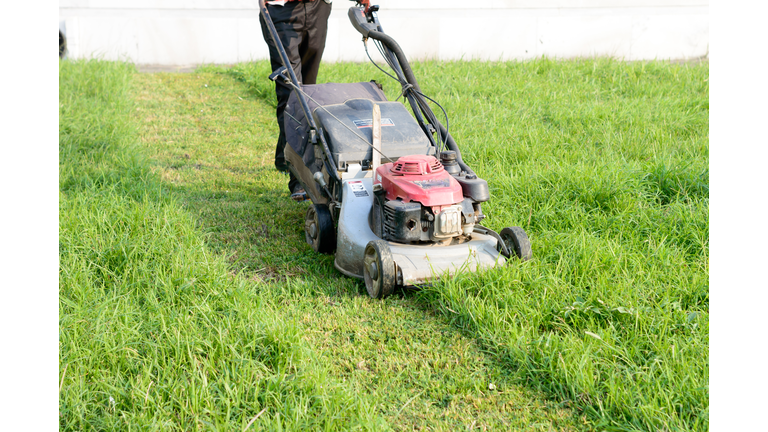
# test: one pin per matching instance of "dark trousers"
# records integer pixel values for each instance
(301, 27)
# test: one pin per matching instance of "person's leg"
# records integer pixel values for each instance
(314, 15)
(313, 45)
(288, 21)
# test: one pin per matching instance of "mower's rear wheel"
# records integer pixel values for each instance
(516, 241)
(319, 230)
(378, 269)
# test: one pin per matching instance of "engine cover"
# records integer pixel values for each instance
(402, 221)
(419, 178)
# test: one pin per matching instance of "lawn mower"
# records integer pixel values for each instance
(392, 198)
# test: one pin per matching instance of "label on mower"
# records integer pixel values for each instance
(430, 184)
(366, 123)
(357, 188)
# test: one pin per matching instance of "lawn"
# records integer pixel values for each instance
(189, 300)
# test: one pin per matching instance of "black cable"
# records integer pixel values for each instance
(441, 108)
(424, 107)
(383, 53)
(379, 67)
(422, 104)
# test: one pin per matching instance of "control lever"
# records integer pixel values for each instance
(281, 74)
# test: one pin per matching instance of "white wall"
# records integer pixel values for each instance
(190, 32)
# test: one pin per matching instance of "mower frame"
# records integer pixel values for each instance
(339, 220)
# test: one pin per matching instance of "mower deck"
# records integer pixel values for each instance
(415, 264)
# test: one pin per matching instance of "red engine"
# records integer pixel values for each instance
(418, 200)
(419, 178)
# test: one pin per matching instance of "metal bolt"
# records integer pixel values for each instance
(373, 270)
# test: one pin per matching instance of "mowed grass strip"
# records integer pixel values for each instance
(605, 164)
(211, 139)
(155, 331)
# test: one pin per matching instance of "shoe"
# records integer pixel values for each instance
(299, 195)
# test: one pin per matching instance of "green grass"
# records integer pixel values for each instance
(605, 164)
(188, 296)
(212, 141)
(155, 331)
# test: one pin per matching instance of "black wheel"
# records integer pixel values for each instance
(516, 240)
(378, 269)
(318, 229)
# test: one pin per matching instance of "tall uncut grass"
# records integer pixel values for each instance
(605, 165)
(155, 332)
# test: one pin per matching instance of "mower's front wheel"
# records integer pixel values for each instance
(516, 241)
(319, 230)
(378, 269)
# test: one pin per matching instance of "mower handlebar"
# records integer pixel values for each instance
(359, 18)
(364, 3)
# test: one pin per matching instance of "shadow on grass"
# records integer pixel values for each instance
(264, 230)
(248, 217)
(261, 232)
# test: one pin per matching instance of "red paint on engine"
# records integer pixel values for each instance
(419, 178)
